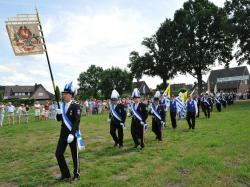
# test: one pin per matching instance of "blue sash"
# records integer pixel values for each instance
(137, 115)
(156, 113)
(69, 125)
(115, 114)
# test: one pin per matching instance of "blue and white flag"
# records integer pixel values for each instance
(180, 108)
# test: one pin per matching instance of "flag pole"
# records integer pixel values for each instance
(47, 56)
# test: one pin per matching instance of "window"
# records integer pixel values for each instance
(16, 94)
(28, 93)
(23, 94)
(40, 94)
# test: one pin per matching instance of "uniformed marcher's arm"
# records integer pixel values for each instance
(59, 117)
(123, 114)
(76, 118)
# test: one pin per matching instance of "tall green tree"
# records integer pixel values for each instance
(238, 12)
(116, 78)
(89, 81)
(201, 38)
(158, 60)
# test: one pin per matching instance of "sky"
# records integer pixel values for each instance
(80, 33)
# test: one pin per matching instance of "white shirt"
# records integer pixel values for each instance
(10, 109)
(67, 105)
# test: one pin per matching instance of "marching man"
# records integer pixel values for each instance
(117, 117)
(69, 115)
(192, 111)
(139, 117)
(158, 116)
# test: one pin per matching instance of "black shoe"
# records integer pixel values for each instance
(142, 147)
(135, 146)
(76, 178)
(115, 145)
(120, 146)
(62, 178)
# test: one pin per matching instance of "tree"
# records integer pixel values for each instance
(135, 65)
(116, 78)
(1, 97)
(57, 94)
(89, 81)
(158, 60)
(201, 38)
(238, 12)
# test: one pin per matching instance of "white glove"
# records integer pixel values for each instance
(142, 123)
(128, 114)
(109, 120)
(70, 138)
(163, 124)
(58, 111)
(123, 125)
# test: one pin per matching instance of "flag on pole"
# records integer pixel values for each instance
(166, 97)
(180, 107)
(25, 34)
(184, 97)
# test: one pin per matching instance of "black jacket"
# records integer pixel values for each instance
(161, 111)
(142, 110)
(74, 115)
(121, 112)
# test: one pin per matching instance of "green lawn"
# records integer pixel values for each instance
(217, 153)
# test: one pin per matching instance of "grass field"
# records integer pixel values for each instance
(217, 153)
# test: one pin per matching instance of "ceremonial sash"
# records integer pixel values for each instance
(156, 113)
(205, 101)
(137, 115)
(217, 100)
(69, 125)
(115, 114)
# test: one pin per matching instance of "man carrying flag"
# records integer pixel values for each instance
(158, 116)
(180, 106)
(117, 117)
(69, 115)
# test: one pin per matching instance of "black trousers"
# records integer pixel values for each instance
(61, 147)
(117, 139)
(218, 106)
(207, 111)
(173, 119)
(156, 128)
(137, 132)
(191, 119)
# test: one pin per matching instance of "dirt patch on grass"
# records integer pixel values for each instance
(8, 185)
(174, 184)
(184, 172)
(120, 177)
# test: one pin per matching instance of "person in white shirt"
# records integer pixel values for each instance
(37, 107)
(19, 113)
(1, 114)
(10, 110)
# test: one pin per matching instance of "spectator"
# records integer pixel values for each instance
(26, 113)
(43, 114)
(37, 107)
(1, 114)
(10, 110)
(19, 113)
(46, 108)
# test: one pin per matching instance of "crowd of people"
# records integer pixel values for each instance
(21, 114)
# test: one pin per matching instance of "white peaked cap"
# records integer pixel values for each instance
(115, 94)
(157, 94)
(136, 93)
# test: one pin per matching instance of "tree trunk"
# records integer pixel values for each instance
(199, 78)
(164, 82)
